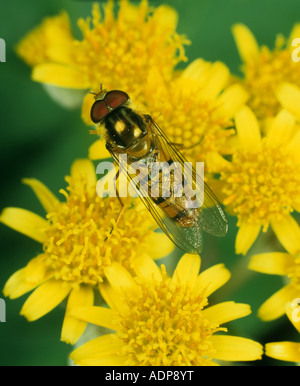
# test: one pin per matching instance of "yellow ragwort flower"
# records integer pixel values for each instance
(264, 69)
(117, 50)
(164, 321)
(287, 351)
(260, 184)
(283, 264)
(196, 108)
(80, 237)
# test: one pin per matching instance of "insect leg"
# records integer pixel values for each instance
(117, 191)
(121, 210)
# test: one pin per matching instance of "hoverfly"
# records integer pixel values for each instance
(140, 138)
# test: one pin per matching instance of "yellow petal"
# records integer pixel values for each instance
(25, 222)
(19, 283)
(274, 263)
(246, 236)
(46, 297)
(287, 231)
(216, 162)
(119, 277)
(166, 17)
(281, 129)
(248, 129)
(51, 41)
(59, 38)
(285, 351)
(294, 145)
(246, 43)
(73, 328)
(187, 270)
(45, 196)
(128, 12)
(87, 104)
(233, 348)
(147, 270)
(288, 95)
(159, 245)
(60, 75)
(225, 312)
(212, 278)
(103, 346)
(230, 145)
(112, 297)
(98, 150)
(296, 206)
(275, 306)
(218, 77)
(100, 316)
(84, 170)
(231, 100)
(196, 72)
(36, 269)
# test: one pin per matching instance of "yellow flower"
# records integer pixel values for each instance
(283, 264)
(260, 184)
(117, 51)
(287, 351)
(162, 320)
(196, 108)
(80, 237)
(264, 69)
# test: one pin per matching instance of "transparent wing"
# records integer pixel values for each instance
(211, 218)
(188, 239)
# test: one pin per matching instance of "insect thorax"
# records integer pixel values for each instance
(125, 127)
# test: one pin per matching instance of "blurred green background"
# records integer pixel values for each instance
(40, 139)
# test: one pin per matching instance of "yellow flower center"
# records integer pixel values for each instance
(261, 186)
(84, 237)
(120, 51)
(263, 77)
(194, 124)
(164, 326)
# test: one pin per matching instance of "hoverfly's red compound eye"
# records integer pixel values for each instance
(98, 111)
(116, 98)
